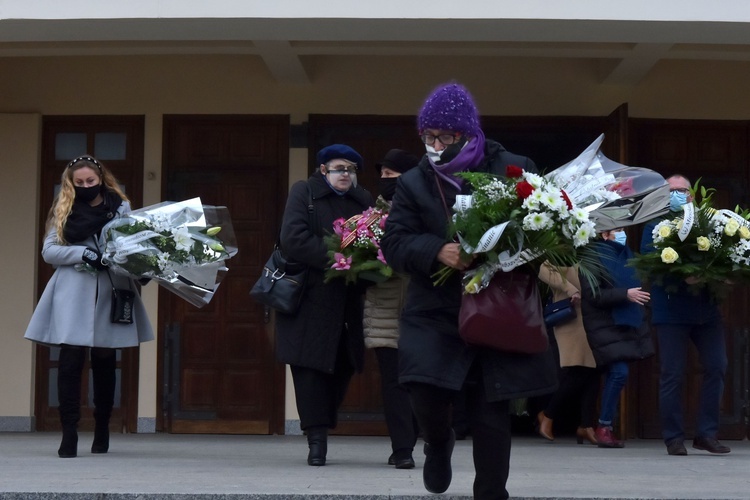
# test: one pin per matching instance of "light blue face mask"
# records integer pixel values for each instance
(621, 237)
(676, 200)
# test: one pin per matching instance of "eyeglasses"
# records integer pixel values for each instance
(445, 139)
(342, 171)
(89, 159)
(680, 190)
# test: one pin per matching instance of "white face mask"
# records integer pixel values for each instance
(432, 154)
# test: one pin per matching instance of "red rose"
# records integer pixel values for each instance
(524, 189)
(567, 200)
(512, 171)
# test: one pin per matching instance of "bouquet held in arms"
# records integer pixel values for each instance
(615, 195)
(182, 245)
(520, 219)
(707, 247)
(354, 247)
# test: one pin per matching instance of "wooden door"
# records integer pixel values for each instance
(717, 153)
(117, 141)
(219, 373)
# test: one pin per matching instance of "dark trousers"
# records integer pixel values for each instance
(576, 382)
(673, 349)
(320, 394)
(69, 373)
(401, 422)
(490, 427)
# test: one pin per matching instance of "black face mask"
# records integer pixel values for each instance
(87, 194)
(452, 151)
(387, 187)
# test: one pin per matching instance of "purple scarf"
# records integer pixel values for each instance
(470, 157)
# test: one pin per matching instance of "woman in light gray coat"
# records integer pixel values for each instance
(74, 310)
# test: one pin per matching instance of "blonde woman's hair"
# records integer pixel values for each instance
(63, 203)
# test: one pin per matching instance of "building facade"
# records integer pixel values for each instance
(230, 101)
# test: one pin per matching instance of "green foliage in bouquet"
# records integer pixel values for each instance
(542, 224)
(713, 252)
(167, 248)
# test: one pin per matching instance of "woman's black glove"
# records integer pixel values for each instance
(94, 259)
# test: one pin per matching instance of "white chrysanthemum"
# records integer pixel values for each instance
(182, 238)
(583, 234)
(537, 221)
(552, 199)
(580, 214)
(535, 180)
(531, 203)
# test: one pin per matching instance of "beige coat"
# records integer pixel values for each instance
(383, 304)
(571, 337)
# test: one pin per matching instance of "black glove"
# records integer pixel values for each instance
(94, 259)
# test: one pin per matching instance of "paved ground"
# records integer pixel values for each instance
(202, 467)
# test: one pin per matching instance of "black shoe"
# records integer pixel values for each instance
(676, 447)
(403, 459)
(711, 445)
(437, 473)
(392, 459)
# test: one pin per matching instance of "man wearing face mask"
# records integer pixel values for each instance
(434, 362)
(682, 317)
(383, 304)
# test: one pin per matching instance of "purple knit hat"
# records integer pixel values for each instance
(450, 107)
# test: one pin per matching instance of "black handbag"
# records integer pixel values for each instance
(558, 313)
(123, 302)
(281, 283)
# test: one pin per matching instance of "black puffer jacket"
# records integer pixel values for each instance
(609, 341)
(430, 350)
(311, 337)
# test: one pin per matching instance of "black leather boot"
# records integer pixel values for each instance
(70, 366)
(317, 440)
(103, 366)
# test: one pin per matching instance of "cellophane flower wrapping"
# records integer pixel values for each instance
(708, 245)
(614, 194)
(183, 246)
(354, 246)
(522, 218)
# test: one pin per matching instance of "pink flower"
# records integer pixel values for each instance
(342, 263)
(338, 226)
(381, 222)
(381, 257)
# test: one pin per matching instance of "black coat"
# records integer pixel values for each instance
(608, 341)
(311, 337)
(430, 350)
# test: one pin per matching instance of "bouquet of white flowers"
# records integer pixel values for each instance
(615, 195)
(175, 243)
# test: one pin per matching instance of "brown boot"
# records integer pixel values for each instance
(585, 434)
(545, 426)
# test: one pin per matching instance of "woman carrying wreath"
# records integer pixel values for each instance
(74, 310)
(434, 362)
